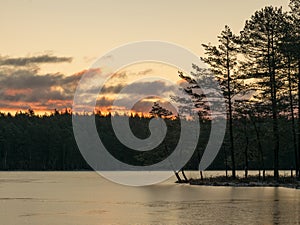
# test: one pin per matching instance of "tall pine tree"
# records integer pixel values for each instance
(222, 60)
(261, 38)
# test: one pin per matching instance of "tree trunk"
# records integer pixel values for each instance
(262, 161)
(246, 154)
(293, 117)
(178, 177)
(298, 173)
(273, 89)
(201, 175)
(175, 172)
(230, 112)
(184, 176)
(226, 163)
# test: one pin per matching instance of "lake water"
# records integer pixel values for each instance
(77, 198)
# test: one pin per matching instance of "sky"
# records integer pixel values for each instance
(47, 45)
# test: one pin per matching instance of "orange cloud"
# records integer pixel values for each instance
(13, 92)
(23, 88)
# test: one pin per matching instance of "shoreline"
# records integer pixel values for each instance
(251, 181)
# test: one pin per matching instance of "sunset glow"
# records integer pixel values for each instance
(42, 73)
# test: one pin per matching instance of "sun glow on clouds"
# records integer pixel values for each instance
(23, 86)
(134, 75)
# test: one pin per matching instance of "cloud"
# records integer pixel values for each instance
(144, 72)
(24, 61)
(148, 88)
(28, 79)
(104, 101)
(112, 89)
(24, 87)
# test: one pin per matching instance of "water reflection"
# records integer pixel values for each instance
(276, 207)
(84, 198)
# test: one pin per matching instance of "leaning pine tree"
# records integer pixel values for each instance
(161, 112)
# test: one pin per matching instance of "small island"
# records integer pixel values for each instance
(251, 181)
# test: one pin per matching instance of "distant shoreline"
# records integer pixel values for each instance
(216, 181)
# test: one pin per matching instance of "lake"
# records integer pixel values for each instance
(77, 198)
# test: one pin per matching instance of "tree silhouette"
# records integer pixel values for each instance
(222, 60)
(294, 52)
(158, 111)
(261, 38)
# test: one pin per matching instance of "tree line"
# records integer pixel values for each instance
(34, 142)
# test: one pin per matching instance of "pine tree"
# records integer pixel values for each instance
(158, 111)
(287, 48)
(295, 52)
(260, 39)
(222, 60)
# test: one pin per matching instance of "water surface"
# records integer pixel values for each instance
(85, 198)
